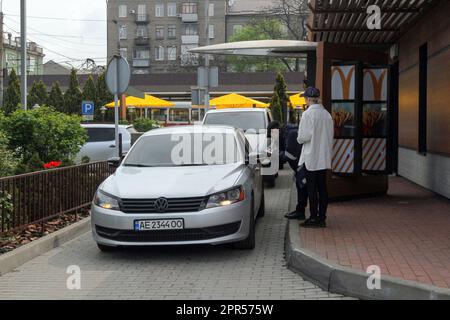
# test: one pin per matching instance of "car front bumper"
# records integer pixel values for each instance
(210, 226)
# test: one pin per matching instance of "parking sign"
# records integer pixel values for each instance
(87, 110)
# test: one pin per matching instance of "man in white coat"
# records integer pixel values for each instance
(316, 133)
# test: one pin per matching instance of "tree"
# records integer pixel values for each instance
(38, 94)
(12, 99)
(280, 90)
(275, 106)
(293, 14)
(73, 95)
(103, 95)
(43, 135)
(56, 97)
(259, 29)
(8, 162)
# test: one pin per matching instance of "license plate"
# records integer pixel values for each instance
(159, 224)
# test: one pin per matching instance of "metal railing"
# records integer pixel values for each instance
(39, 196)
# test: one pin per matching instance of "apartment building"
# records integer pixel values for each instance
(155, 36)
(12, 56)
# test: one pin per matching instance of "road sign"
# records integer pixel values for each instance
(198, 96)
(117, 80)
(87, 110)
(118, 75)
(208, 79)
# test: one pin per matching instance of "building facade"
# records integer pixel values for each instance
(155, 35)
(12, 56)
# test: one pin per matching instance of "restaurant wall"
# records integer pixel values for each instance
(432, 169)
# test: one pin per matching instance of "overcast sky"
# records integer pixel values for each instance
(56, 26)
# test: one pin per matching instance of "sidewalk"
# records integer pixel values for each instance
(406, 233)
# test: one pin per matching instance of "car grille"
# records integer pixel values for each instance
(174, 205)
(169, 235)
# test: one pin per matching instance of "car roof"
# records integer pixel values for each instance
(192, 129)
(104, 125)
(238, 110)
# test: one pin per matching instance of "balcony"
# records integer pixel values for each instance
(192, 39)
(142, 18)
(141, 63)
(142, 41)
(189, 17)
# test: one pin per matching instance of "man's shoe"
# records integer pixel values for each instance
(322, 224)
(310, 223)
(295, 216)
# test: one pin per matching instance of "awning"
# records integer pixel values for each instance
(148, 102)
(297, 101)
(265, 48)
(236, 101)
(346, 21)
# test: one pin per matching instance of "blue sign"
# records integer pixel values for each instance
(87, 108)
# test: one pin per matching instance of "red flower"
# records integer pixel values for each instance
(52, 164)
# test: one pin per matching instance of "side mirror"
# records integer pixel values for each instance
(114, 162)
(273, 125)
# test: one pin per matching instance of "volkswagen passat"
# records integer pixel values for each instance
(181, 185)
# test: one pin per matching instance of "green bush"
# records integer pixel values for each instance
(144, 125)
(8, 162)
(42, 135)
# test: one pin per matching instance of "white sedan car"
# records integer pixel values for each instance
(101, 144)
(206, 190)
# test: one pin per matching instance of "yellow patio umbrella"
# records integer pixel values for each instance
(130, 101)
(152, 102)
(297, 101)
(148, 102)
(234, 100)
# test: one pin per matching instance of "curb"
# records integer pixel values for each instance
(347, 281)
(13, 259)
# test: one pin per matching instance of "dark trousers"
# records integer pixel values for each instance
(317, 193)
(302, 191)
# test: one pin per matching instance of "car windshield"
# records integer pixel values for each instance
(240, 120)
(100, 134)
(184, 149)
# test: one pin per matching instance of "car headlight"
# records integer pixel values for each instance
(106, 201)
(226, 198)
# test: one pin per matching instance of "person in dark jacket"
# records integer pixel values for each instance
(292, 155)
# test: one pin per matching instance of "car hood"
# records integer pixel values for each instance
(171, 182)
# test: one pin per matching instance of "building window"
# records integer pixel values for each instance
(159, 10)
(423, 78)
(123, 52)
(141, 54)
(189, 8)
(123, 11)
(211, 31)
(141, 32)
(142, 12)
(171, 9)
(211, 10)
(172, 32)
(159, 53)
(159, 33)
(172, 53)
(237, 28)
(190, 30)
(123, 32)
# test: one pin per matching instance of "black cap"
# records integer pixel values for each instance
(311, 92)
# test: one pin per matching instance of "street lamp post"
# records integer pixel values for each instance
(23, 56)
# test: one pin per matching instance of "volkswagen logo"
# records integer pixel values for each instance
(161, 205)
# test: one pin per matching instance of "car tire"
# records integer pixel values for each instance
(250, 241)
(105, 248)
(262, 206)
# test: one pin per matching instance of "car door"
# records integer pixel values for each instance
(100, 145)
(257, 180)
